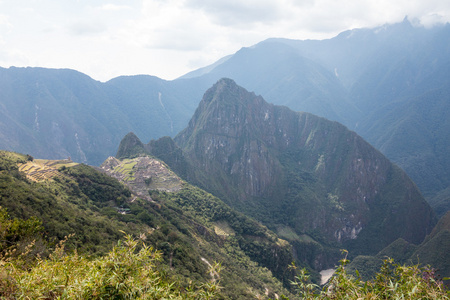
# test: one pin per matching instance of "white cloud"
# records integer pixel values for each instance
(87, 28)
(114, 7)
(167, 38)
(238, 13)
(4, 22)
(5, 28)
(167, 25)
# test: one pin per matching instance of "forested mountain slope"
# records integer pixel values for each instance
(190, 227)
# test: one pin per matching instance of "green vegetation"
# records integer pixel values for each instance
(393, 281)
(188, 232)
(256, 241)
(133, 270)
(94, 209)
(129, 271)
(98, 187)
(16, 235)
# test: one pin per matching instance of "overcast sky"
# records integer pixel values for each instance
(169, 38)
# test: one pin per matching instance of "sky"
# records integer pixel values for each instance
(108, 38)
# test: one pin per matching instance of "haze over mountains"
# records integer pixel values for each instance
(389, 84)
(64, 113)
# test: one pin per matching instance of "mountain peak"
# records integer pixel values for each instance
(130, 146)
(223, 109)
(309, 174)
(225, 90)
(225, 82)
(221, 86)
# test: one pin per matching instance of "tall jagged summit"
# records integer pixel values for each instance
(313, 181)
(130, 145)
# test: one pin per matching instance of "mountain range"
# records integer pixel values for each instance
(63, 113)
(390, 84)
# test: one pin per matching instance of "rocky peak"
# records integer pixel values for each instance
(223, 134)
(302, 172)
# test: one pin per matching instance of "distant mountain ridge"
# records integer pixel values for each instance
(60, 113)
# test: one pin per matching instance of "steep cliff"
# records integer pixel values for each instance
(313, 181)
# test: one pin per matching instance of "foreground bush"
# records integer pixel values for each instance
(393, 281)
(124, 273)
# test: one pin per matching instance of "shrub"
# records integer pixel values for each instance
(128, 271)
(393, 281)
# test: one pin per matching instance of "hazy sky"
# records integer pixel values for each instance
(105, 39)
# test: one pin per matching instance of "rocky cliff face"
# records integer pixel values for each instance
(300, 173)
